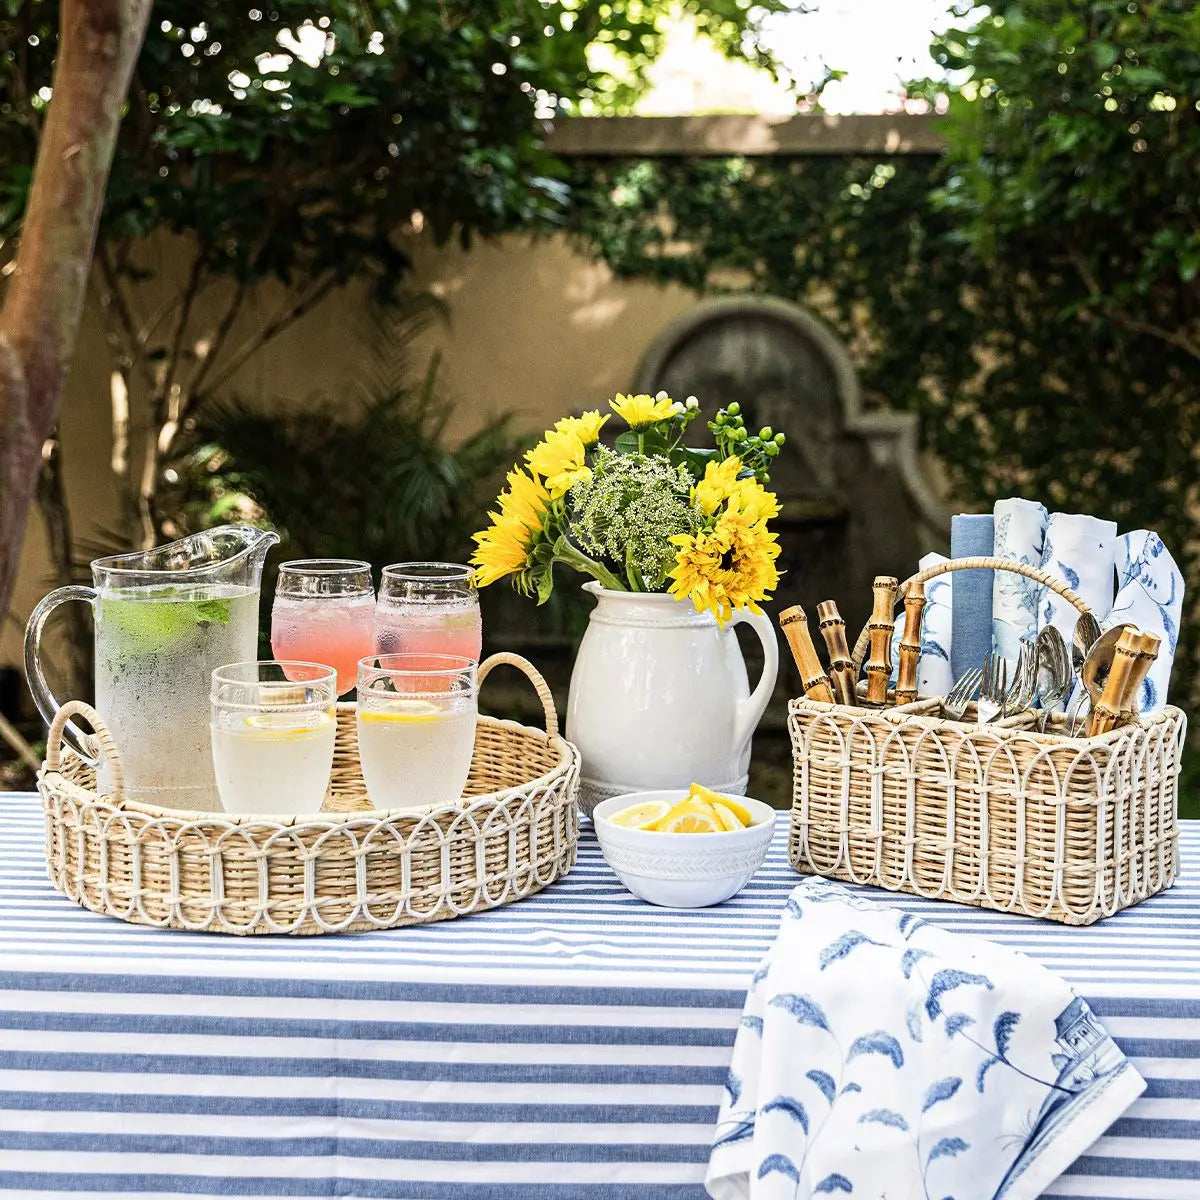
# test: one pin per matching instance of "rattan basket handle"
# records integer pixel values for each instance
(989, 562)
(533, 675)
(108, 748)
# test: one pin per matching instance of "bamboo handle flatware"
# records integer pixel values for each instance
(910, 644)
(1107, 711)
(879, 663)
(841, 665)
(1148, 645)
(813, 680)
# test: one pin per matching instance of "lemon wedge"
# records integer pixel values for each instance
(641, 816)
(402, 710)
(740, 811)
(284, 726)
(690, 816)
(727, 817)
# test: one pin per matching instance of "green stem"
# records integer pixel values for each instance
(572, 556)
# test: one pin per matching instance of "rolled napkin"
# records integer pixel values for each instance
(1020, 534)
(1080, 551)
(1150, 595)
(879, 1055)
(971, 535)
(934, 675)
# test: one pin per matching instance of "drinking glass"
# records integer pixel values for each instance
(273, 727)
(323, 612)
(416, 727)
(428, 608)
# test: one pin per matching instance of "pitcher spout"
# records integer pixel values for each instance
(230, 554)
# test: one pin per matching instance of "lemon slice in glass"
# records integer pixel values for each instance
(641, 816)
(407, 710)
(287, 726)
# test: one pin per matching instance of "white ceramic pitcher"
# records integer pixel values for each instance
(660, 696)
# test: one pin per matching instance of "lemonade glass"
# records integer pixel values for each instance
(324, 612)
(428, 608)
(416, 728)
(273, 727)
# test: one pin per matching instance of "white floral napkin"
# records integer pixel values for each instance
(1150, 595)
(1020, 534)
(934, 676)
(879, 1055)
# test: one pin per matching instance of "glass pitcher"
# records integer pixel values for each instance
(164, 619)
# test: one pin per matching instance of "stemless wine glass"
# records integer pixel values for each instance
(323, 612)
(416, 727)
(428, 608)
(273, 727)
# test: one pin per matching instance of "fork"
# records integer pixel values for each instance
(959, 696)
(994, 688)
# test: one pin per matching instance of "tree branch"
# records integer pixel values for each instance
(211, 354)
(114, 300)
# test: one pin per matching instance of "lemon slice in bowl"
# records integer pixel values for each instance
(411, 710)
(693, 820)
(641, 816)
(727, 817)
(699, 792)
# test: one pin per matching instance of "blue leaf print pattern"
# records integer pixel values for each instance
(778, 1164)
(838, 949)
(878, 1042)
(1006, 1022)
(942, 1090)
(936, 649)
(833, 1183)
(957, 1022)
(733, 1085)
(910, 960)
(984, 1067)
(947, 1148)
(793, 909)
(909, 923)
(825, 1083)
(948, 979)
(806, 1011)
(752, 1022)
(913, 1020)
(1072, 577)
(884, 1116)
(1149, 695)
(791, 1106)
(849, 1088)
(742, 1131)
(760, 974)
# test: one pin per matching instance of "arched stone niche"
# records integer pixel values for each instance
(856, 502)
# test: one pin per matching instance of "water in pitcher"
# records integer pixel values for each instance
(156, 649)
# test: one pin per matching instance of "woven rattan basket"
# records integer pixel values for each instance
(1000, 816)
(348, 868)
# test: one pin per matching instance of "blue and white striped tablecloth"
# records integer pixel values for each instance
(571, 1047)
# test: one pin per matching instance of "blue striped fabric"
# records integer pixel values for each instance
(571, 1047)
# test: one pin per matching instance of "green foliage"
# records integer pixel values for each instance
(1032, 294)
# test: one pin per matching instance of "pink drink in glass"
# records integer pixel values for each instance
(336, 631)
(428, 608)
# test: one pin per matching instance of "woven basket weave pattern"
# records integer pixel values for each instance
(998, 815)
(348, 868)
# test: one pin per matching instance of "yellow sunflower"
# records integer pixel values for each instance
(753, 501)
(639, 411)
(559, 458)
(717, 485)
(504, 548)
(729, 566)
(586, 427)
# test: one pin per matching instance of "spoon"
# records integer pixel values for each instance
(1099, 661)
(1054, 675)
(1087, 631)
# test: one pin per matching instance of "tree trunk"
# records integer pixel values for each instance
(99, 41)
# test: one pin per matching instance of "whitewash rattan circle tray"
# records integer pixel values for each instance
(347, 868)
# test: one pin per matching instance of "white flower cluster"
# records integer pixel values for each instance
(630, 508)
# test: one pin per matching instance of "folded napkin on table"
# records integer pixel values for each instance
(879, 1055)
(934, 677)
(971, 535)
(1020, 534)
(1150, 596)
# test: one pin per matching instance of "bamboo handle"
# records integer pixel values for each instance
(910, 644)
(1148, 646)
(880, 629)
(841, 669)
(813, 680)
(1108, 709)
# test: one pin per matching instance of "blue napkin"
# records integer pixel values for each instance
(971, 534)
(879, 1055)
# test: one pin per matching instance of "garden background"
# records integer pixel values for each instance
(353, 254)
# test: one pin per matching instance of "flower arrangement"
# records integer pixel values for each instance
(648, 514)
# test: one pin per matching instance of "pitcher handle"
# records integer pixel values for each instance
(750, 710)
(83, 745)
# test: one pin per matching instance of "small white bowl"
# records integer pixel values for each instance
(683, 870)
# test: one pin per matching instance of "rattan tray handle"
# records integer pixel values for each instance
(108, 748)
(988, 562)
(533, 675)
